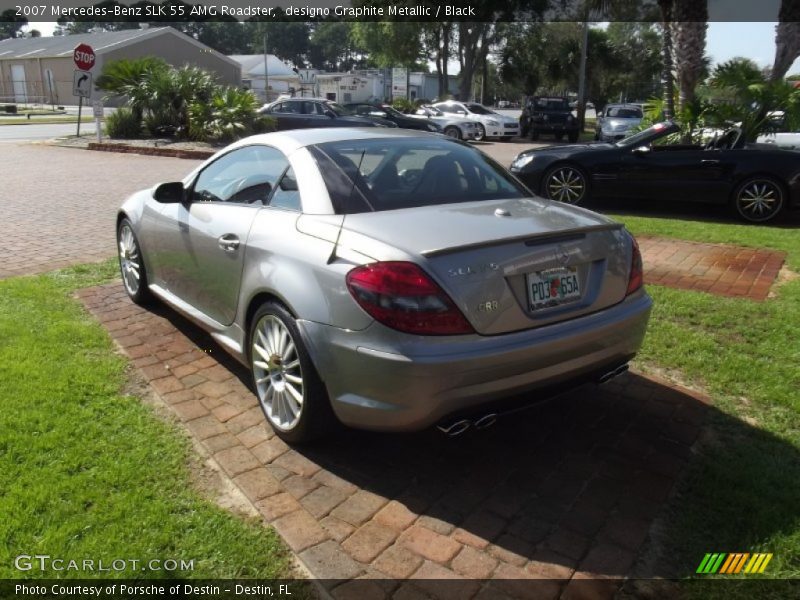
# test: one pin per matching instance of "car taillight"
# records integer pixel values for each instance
(636, 278)
(402, 296)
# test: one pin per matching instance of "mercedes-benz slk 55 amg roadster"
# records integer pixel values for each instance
(387, 279)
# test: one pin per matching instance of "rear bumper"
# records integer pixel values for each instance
(408, 383)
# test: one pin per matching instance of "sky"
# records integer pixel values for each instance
(724, 40)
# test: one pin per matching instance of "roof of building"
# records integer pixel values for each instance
(253, 65)
(63, 45)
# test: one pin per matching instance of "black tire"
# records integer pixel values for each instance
(534, 135)
(453, 132)
(759, 199)
(272, 364)
(596, 136)
(566, 183)
(481, 134)
(131, 264)
(572, 137)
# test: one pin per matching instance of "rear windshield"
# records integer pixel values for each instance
(551, 104)
(395, 173)
(625, 113)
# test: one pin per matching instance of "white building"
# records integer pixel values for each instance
(283, 78)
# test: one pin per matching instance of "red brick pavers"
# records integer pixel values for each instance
(556, 496)
(716, 268)
(58, 205)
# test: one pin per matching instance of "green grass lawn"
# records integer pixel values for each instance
(742, 491)
(89, 472)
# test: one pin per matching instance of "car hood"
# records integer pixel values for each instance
(566, 150)
(471, 224)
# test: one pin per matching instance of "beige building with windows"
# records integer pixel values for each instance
(41, 70)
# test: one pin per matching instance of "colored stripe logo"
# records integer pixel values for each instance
(733, 563)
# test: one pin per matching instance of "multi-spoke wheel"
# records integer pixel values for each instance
(758, 199)
(453, 132)
(565, 183)
(289, 390)
(131, 264)
(480, 133)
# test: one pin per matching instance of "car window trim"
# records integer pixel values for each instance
(190, 189)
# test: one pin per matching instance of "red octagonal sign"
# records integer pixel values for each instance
(83, 56)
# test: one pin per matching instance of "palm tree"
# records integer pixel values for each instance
(689, 35)
(787, 38)
(667, 81)
(127, 77)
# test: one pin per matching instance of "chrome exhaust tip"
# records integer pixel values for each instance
(485, 421)
(612, 374)
(454, 429)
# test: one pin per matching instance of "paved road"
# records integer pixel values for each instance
(58, 204)
(17, 133)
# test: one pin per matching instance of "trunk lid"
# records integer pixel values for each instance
(487, 256)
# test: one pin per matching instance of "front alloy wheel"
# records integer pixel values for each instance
(759, 199)
(289, 390)
(481, 132)
(565, 184)
(131, 264)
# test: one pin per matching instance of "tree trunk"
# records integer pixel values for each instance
(787, 38)
(689, 37)
(667, 81)
(444, 85)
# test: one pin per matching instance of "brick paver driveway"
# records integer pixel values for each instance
(561, 493)
(57, 205)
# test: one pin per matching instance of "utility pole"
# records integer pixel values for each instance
(266, 75)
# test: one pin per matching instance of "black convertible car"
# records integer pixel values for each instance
(758, 180)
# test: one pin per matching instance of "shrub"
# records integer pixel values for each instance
(123, 123)
(230, 114)
(404, 105)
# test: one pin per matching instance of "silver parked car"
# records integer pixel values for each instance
(458, 128)
(616, 121)
(390, 279)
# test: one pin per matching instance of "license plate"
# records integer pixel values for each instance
(552, 287)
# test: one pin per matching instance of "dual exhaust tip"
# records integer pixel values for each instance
(613, 373)
(461, 426)
(456, 428)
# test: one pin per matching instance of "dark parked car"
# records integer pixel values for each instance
(551, 115)
(389, 113)
(302, 113)
(756, 179)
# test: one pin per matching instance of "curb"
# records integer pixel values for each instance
(150, 151)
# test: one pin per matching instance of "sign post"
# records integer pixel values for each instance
(97, 109)
(84, 58)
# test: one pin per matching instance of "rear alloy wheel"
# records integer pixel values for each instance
(481, 133)
(453, 132)
(758, 199)
(289, 390)
(131, 264)
(566, 184)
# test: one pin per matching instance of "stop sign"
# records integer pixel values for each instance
(83, 55)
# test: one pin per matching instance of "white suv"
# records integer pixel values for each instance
(490, 123)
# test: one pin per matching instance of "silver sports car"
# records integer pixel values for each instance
(387, 279)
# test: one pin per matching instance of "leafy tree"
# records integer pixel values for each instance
(740, 92)
(332, 47)
(389, 43)
(637, 47)
(288, 40)
(10, 24)
(127, 77)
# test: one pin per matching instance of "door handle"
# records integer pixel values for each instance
(228, 242)
(709, 161)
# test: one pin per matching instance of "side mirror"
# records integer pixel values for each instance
(169, 193)
(642, 150)
(288, 184)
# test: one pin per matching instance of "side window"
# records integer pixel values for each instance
(243, 176)
(448, 108)
(312, 108)
(286, 195)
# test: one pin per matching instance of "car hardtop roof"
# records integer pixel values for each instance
(291, 140)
